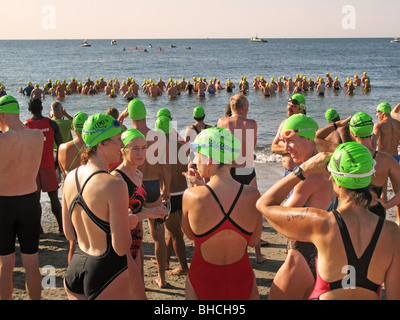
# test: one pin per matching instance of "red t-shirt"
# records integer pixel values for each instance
(48, 132)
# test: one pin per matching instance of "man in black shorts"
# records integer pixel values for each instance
(20, 157)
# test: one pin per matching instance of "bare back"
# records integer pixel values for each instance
(20, 158)
(107, 198)
(246, 131)
(384, 264)
(204, 213)
(388, 132)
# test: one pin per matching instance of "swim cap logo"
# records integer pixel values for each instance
(337, 161)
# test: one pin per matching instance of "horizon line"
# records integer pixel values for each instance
(199, 38)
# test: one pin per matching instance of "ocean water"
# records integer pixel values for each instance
(38, 60)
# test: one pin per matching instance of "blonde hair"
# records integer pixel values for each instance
(238, 102)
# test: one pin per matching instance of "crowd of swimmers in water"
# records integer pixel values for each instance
(129, 88)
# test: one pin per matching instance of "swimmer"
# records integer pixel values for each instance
(361, 127)
(220, 249)
(333, 232)
(156, 179)
(98, 219)
(192, 131)
(20, 160)
(298, 134)
(175, 241)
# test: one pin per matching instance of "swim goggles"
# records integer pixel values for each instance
(351, 175)
(362, 124)
(115, 124)
(291, 133)
(222, 147)
(296, 103)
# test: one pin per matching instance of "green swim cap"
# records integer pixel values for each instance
(137, 110)
(217, 143)
(298, 100)
(164, 112)
(331, 114)
(198, 112)
(301, 125)
(131, 134)
(79, 120)
(384, 107)
(99, 127)
(8, 104)
(163, 124)
(352, 166)
(361, 125)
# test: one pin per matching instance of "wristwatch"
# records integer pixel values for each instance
(299, 173)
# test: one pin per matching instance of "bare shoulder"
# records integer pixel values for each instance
(222, 122)
(392, 232)
(196, 193)
(251, 193)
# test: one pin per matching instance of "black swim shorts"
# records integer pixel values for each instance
(20, 217)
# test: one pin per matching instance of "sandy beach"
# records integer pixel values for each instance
(54, 249)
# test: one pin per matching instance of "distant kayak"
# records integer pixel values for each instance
(159, 50)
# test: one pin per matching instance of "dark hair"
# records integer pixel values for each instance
(200, 119)
(362, 197)
(35, 106)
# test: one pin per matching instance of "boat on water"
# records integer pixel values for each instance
(86, 44)
(257, 39)
(113, 42)
(395, 40)
(172, 46)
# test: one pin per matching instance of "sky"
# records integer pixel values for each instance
(161, 19)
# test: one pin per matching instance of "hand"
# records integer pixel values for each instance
(343, 123)
(317, 164)
(165, 196)
(385, 203)
(159, 212)
(124, 114)
(194, 178)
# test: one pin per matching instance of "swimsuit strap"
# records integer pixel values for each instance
(103, 225)
(79, 152)
(227, 215)
(219, 203)
(361, 264)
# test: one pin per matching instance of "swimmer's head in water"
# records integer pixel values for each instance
(298, 100)
(79, 120)
(218, 144)
(164, 124)
(361, 125)
(8, 104)
(352, 166)
(99, 127)
(129, 135)
(300, 125)
(384, 107)
(331, 114)
(137, 110)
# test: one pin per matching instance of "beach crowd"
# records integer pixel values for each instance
(331, 202)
